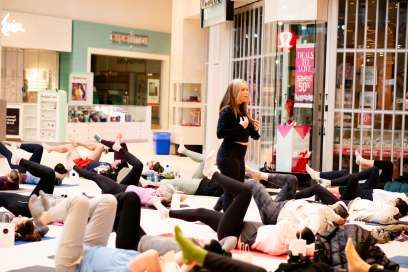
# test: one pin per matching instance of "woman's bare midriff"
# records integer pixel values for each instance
(241, 143)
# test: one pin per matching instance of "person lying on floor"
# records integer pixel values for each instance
(17, 204)
(92, 161)
(320, 218)
(373, 178)
(87, 226)
(198, 184)
(380, 207)
(148, 196)
(271, 239)
(20, 175)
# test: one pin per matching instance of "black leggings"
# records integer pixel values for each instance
(46, 175)
(231, 162)
(230, 222)
(127, 221)
(216, 262)
(35, 149)
(18, 204)
(325, 196)
(374, 180)
(208, 188)
(108, 185)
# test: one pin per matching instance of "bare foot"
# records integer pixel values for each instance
(47, 147)
(354, 261)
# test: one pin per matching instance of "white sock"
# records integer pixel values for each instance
(312, 173)
(324, 182)
(181, 149)
(209, 167)
(163, 211)
(358, 157)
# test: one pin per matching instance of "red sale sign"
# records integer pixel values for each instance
(304, 73)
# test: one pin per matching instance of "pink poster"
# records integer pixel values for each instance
(304, 73)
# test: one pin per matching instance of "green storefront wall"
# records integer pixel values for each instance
(93, 35)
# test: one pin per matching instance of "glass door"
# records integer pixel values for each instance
(293, 75)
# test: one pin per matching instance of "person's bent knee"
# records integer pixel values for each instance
(131, 198)
(108, 200)
(80, 202)
(246, 191)
(292, 181)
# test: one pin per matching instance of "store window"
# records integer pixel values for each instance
(371, 101)
(27, 71)
(127, 81)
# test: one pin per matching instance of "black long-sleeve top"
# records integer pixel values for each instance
(229, 129)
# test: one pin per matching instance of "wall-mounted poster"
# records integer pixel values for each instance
(81, 89)
(13, 121)
(153, 91)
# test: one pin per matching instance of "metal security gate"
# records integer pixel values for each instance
(371, 102)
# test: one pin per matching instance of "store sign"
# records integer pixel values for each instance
(216, 11)
(12, 26)
(25, 30)
(13, 121)
(129, 38)
(304, 73)
(286, 41)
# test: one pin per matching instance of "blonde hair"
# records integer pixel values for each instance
(230, 98)
(167, 191)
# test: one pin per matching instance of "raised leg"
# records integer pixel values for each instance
(107, 185)
(46, 175)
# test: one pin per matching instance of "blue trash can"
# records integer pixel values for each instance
(162, 142)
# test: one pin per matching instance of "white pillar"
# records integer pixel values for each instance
(330, 87)
(218, 77)
(2, 95)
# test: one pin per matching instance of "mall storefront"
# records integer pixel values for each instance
(339, 76)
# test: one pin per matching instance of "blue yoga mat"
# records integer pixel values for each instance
(21, 242)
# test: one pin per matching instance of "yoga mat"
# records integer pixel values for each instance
(36, 268)
(21, 242)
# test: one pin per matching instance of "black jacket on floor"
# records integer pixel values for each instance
(330, 248)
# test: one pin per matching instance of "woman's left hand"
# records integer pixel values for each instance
(256, 124)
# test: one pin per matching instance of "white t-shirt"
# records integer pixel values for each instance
(317, 217)
(274, 239)
(385, 196)
(372, 211)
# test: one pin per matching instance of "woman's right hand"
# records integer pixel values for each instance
(243, 121)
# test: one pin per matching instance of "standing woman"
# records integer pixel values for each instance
(235, 126)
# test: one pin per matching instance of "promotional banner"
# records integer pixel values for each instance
(304, 73)
(81, 89)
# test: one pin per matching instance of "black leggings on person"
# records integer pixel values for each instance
(35, 149)
(18, 204)
(231, 221)
(374, 180)
(325, 196)
(231, 162)
(127, 221)
(46, 175)
(108, 185)
(349, 192)
(216, 262)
